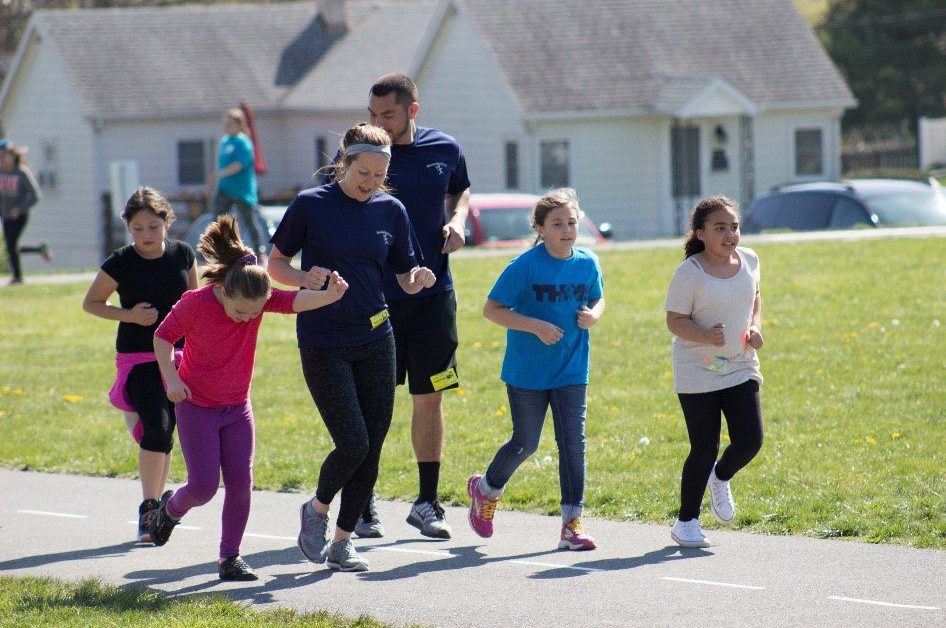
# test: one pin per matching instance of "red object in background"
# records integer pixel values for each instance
(259, 162)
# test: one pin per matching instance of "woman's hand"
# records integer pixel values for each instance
(422, 277)
(144, 314)
(315, 278)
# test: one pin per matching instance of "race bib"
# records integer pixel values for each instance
(444, 379)
(379, 318)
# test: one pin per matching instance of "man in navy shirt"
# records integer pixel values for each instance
(428, 175)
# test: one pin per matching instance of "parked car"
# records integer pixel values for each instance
(849, 204)
(269, 215)
(502, 219)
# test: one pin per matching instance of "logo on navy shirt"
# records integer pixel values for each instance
(387, 237)
(439, 165)
(560, 293)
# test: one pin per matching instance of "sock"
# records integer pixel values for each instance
(429, 473)
(489, 491)
(570, 511)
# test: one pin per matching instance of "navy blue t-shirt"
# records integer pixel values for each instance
(357, 239)
(420, 175)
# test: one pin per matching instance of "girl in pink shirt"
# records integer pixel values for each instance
(211, 388)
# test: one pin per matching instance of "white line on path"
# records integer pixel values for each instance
(854, 599)
(53, 514)
(183, 527)
(270, 536)
(717, 584)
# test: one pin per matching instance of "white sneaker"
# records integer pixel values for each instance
(721, 502)
(689, 534)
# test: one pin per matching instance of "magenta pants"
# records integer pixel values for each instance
(215, 439)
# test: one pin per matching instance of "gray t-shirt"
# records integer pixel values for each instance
(708, 300)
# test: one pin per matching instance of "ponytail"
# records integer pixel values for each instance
(232, 265)
(692, 244)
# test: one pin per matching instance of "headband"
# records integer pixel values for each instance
(248, 259)
(354, 149)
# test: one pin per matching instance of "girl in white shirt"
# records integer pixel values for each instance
(714, 311)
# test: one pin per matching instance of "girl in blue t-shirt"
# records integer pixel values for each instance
(548, 298)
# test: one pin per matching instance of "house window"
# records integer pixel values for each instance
(512, 165)
(191, 162)
(809, 152)
(554, 163)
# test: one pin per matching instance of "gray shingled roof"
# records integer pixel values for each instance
(647, 55)
(192, 59)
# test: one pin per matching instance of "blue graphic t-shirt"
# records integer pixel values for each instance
(357, 239)
(241, 185)
(421, 174)
(538, 285)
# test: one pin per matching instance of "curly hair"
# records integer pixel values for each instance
(692, 244)
(221, 245)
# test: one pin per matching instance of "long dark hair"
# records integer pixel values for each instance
(221, 245)
(693, 245)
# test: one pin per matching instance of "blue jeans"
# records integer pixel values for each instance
(528, 409)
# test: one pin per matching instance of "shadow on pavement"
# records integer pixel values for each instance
(61, 557)
(663, 555)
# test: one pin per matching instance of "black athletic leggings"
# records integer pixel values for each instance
(146, 392)
(742, 406)
(353, 389)
(12, 230)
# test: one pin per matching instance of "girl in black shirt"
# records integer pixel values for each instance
(150, 275)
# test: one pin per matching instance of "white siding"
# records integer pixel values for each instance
(774, 146)
(617, 169)
(463, 95)
(298, 149)
(42, 109)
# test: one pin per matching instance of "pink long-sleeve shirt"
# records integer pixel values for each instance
(218, 351)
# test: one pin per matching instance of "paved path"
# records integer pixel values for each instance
(76, 527)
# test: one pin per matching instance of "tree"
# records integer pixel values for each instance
(893, 56)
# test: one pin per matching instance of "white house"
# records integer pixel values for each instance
(90, 88)
(641, 105)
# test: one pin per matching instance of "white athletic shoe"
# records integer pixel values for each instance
(721, 502)
(689, 534)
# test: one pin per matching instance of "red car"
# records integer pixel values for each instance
(497, 220)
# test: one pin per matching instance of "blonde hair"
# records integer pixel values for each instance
(362, 133)
(553, 199)
(237, 116)
(221, 245)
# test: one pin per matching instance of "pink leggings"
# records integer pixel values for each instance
(215, 439)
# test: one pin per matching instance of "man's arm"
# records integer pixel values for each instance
(456, 208)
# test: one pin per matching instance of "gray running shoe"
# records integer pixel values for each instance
(313, 536)
(429, 518)
(369, 527)
(343, 557)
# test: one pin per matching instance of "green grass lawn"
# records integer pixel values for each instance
(853, 399)
(35, 602)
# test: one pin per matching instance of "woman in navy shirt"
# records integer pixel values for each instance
(354, 227)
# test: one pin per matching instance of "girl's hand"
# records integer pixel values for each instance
(336, 286)
(177, 390)
(423, 277)
(586, 317)
(315, 278)
(547, 332)
(754, 337)
(144, 314)
(716, 335)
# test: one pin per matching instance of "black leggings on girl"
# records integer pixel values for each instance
(146, 393)
(353, 388)
(742, 406)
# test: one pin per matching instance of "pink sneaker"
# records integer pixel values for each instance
(574, 537)
(482, 508)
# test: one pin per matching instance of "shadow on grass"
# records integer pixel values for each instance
(43, 594)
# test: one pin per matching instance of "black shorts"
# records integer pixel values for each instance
(425, 339)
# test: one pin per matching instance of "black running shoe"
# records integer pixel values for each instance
(162, 523)
(146, 511)
(235, 568)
